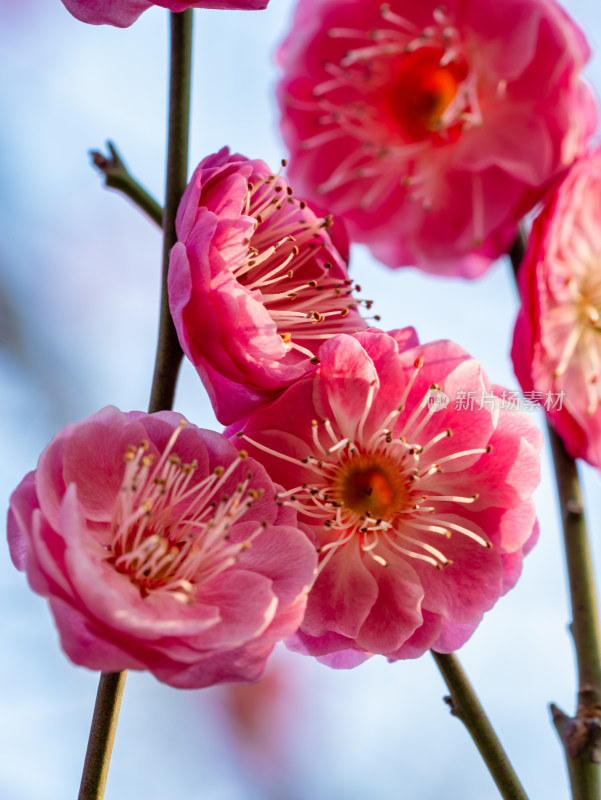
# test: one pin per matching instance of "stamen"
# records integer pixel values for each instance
(568, 351)
(340, 444)
(463, 454)
(417, 411)
(378, 484)
(435, 562)
(435, 439)
(466, 532)
(417, 365)
(435, 68)
(286, 239)
(455, 499)
(168, 535)
(478, 209)
(367, 409)
(397, 19)
(283, 456)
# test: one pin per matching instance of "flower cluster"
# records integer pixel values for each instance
(372, 495)
(432, 129)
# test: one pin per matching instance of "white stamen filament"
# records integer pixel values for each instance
(413, 503)
(378, 155)
(283, 242)
(167, 534)
(368, 404)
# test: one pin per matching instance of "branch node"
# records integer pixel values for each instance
(452, 705)
(580, 733)
(574, 507)
(116, 176)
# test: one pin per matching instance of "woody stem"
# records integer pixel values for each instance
(466, 706)
(581, 734)
(168, 359)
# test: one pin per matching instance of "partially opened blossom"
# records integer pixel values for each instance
(159, 547)
(416, 484)
(431, 129)
(122, 13)
(257, 280)
(557, 339)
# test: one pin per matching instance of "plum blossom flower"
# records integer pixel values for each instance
(557, 340)
(432, 129)
(257, 281)
(421, 509)
(122, 13)
(159, 547)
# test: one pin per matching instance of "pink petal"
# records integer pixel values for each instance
(23, 501)
(396, 613)
(454, 635)
(423, 638)
(345, 376)
(84, 644)
(93, 459)
(120, 13)
(470, 585)
(342, 596)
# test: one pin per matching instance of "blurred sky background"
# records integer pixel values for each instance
(79, 287)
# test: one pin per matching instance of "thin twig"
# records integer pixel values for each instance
(168, 359)
(117, 176)
(169, 353)
(464, 704)
(102, 735)
(585, 625)
(580, 735)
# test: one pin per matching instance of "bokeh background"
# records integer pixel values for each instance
(79, 287)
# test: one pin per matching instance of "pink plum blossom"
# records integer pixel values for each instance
(159, 547)
(121, 13)
(431, 129)
(257, 280)
(557, 340)
(415, 483)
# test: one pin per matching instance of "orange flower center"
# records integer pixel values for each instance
(423, 90)
(370, 485)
